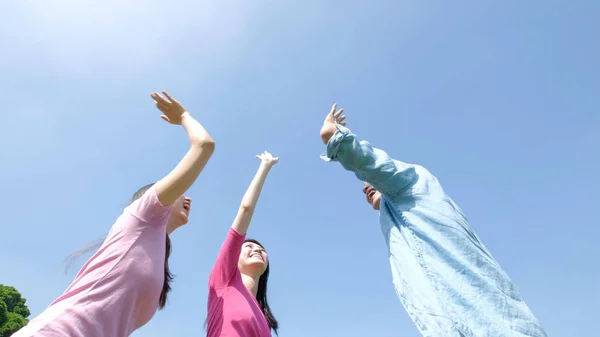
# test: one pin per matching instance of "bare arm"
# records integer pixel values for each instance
(202, 146)
(250, 199)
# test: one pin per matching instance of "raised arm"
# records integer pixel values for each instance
(369, 164)
(202, 146)
(227, 261)
(250, 199)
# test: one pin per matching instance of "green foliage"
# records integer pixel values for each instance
(3, 313)
(13, 311)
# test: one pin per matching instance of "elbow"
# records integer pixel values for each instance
(246, 208)
(206, 144)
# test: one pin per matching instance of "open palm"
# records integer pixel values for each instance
(333, 118)
(336, 116)
(172, 110)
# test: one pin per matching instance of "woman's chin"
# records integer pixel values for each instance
(257, 265)
(184, 218)
(255, 261)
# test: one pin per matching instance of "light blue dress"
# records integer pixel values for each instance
(445, 278)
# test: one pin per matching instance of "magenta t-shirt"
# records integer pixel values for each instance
(117, 290)
(232, 310)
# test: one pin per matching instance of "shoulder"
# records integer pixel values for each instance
(149, 209)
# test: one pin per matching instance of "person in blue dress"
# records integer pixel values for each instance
(444, 276)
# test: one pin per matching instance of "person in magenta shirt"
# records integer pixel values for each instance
(121, 286)
(237, 298)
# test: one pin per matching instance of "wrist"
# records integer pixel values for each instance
(186, 115)
(266, 165)
(327, 131)
(187, 119)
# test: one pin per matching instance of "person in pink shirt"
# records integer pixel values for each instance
(121, 286)
(237, 298)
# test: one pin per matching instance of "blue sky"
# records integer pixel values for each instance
(499, 99)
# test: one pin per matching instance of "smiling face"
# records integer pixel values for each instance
(180, 212)
(253, 259)
(373, 196)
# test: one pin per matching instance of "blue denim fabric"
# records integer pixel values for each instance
(445, 278)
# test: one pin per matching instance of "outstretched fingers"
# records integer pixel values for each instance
(267, 157)
(340, 117)
(169, 96)
(158, 98)
(336, 115)
(333, 108)
(160, 102)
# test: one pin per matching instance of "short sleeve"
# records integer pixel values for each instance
(149, 209)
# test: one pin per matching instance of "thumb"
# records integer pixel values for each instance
(165, 118)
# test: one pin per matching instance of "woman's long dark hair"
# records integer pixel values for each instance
(261, 294)
(162, 301)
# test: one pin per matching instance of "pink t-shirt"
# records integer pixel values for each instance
(232, 310)
(117, 290)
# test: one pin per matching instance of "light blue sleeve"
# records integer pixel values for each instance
(369, 164)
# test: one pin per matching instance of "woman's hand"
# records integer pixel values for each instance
(329, 124)
(177, 182)
(173, 110)
(267, 159)
(246, 210)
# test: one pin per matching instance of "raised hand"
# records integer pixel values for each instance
(172, 110)
(267, 159)
(170, 188)
(246, 210)
(335, 116)
(329, 125)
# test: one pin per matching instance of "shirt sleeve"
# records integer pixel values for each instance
(149, 209)
(226, 266)
(388, 176)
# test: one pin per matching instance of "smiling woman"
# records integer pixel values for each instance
(120, 287)
(237, 299)
(447, 280)
(254, 260)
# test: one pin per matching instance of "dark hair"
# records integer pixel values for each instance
(168, 276)
(261, 294)
(162, 301)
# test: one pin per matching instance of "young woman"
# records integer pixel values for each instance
(237, 299)
(446, 279)
(120, 287)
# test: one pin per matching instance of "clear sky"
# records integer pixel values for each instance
(499, 99)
